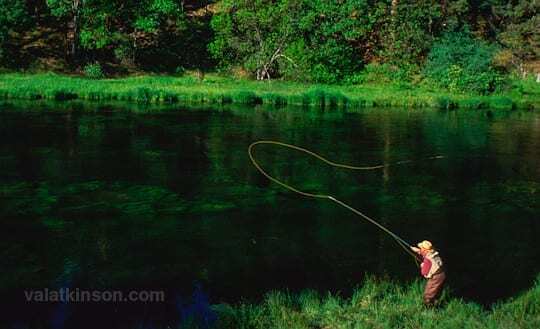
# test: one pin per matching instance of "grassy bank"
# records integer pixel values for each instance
(219, 90)
(376, 305)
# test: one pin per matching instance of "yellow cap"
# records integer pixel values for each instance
(425, 245)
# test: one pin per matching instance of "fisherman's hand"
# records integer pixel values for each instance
(415, 249)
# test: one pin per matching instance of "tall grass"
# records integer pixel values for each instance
(378, 305)
(219, 90)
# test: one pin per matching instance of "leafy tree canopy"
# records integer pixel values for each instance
(12, 15)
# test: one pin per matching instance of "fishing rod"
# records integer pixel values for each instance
(404, 244)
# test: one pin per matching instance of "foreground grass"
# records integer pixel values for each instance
(375, 305)
(219, 90)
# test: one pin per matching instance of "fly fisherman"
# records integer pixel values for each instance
(432, 269)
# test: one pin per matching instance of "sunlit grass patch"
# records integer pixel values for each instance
(215, 89)
(378, 304)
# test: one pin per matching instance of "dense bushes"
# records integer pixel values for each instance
(380, 74)
(305, 40)
(461, 63)
(328, 41)
(317, 41)
(339, 41)
(294, 39)
(93, 71)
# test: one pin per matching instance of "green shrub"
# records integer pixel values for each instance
(322, 73)
(383, 73)
(94, 71)
(460, 63)
(373, 73)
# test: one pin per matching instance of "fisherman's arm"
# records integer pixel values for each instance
(419, 255)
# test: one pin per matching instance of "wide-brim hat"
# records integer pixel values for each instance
(427, 245)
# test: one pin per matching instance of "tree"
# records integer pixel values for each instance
(409, 29)
(12, 16)
(70, 9)
(520, 34)
(121, 25)
(332, 40)
(255, 33)
(309, 40)
(146, 20)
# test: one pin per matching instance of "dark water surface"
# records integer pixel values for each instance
(114, 198)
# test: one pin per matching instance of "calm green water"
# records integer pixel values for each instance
(103, 197)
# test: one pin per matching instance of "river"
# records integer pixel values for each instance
(128, 197)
